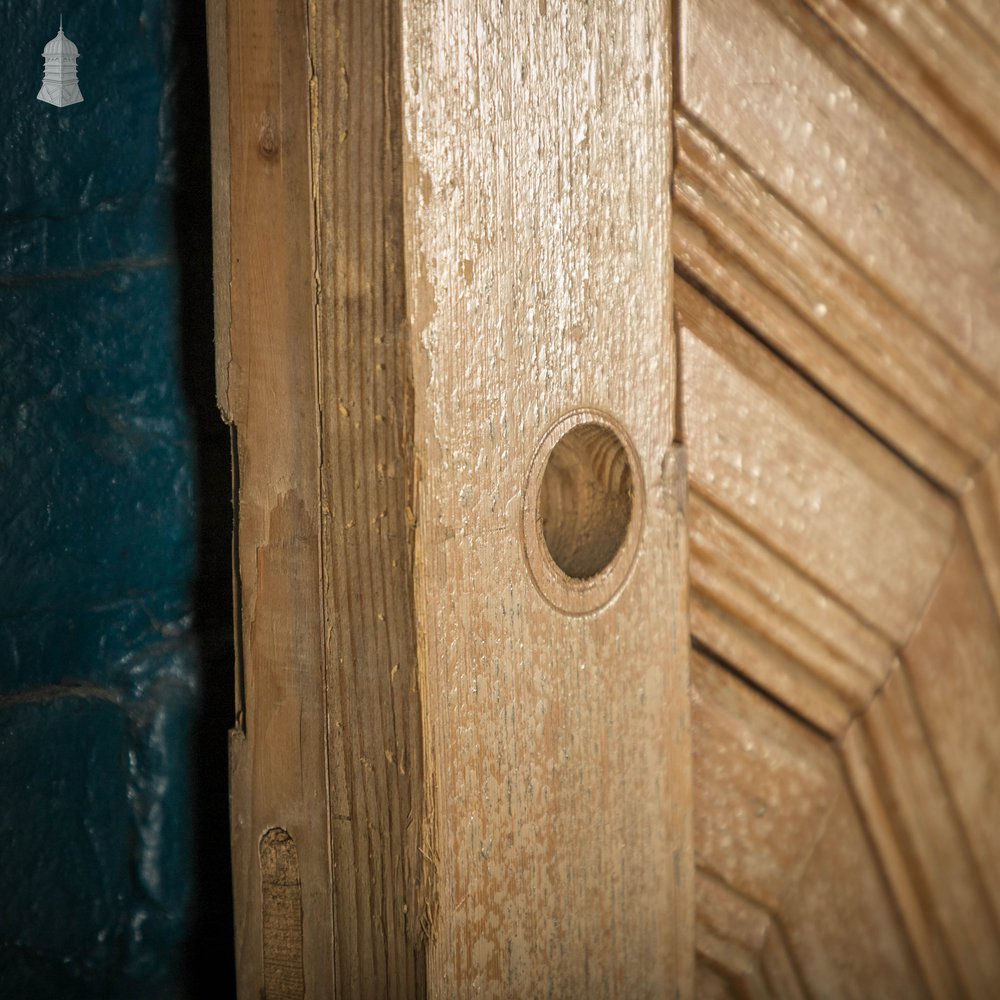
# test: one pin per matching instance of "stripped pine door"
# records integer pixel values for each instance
(615, 403)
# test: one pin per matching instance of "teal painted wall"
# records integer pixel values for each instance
(111, 563)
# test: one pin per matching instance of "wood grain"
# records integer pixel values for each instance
(792, 900)
(852, 160)
(734, 235)
(982, 14)
(835, 232)
(953, 664)
(779, 458)
(556, 744)
(921, 845)
(281, 922)
(217, 29)
(711, 984)
(755, 771)
(367, 482)
(785, 873)
(841, 922)
(763, 785)
(774, 624)
(939, 60)
(730, 928)
(441, 230)
(268, 390)
(981, 506)
(778, 966)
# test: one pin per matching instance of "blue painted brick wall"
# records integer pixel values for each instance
(98, 658)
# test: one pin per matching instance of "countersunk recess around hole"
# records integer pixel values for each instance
(583, 511)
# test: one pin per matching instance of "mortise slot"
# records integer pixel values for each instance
(281, 924)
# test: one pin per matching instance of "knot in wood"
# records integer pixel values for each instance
(268, 144)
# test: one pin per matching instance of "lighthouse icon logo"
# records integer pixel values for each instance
(59, 84)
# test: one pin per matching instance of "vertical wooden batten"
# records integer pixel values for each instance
(367, 482)
(555, 721)
(267, 337)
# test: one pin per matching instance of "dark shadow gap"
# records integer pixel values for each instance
(706, 652)
(210, 940)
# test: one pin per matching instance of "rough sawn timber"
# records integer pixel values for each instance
(267, 388)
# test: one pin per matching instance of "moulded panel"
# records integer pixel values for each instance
(842, 925)
(953, 663)
(781, 275)
(850, 159)
(777, 626)
(779, 458)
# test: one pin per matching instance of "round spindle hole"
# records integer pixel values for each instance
(585, 500)
(582, 511)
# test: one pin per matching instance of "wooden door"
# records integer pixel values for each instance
(837, 237)
(606, 631)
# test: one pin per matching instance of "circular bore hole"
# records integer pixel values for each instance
(585, 500)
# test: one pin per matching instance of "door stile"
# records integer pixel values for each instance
(554, 687)
(462, 761)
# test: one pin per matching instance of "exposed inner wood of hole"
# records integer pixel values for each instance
(585, 500)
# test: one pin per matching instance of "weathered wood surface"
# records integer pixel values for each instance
(953, 662)
(836, 230)
(217, 29)
(314, 375)
(982, 14)
(367, 498)
(922, 846)
(842, 923)
(443, 238)
(791, 899)
(268, 392)
(763, 784)
(556, 744)
(774, 454)
(804, 296)
(981, 505)
(939, 59)
(852, 160)
(753, 608)
(536, 718)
